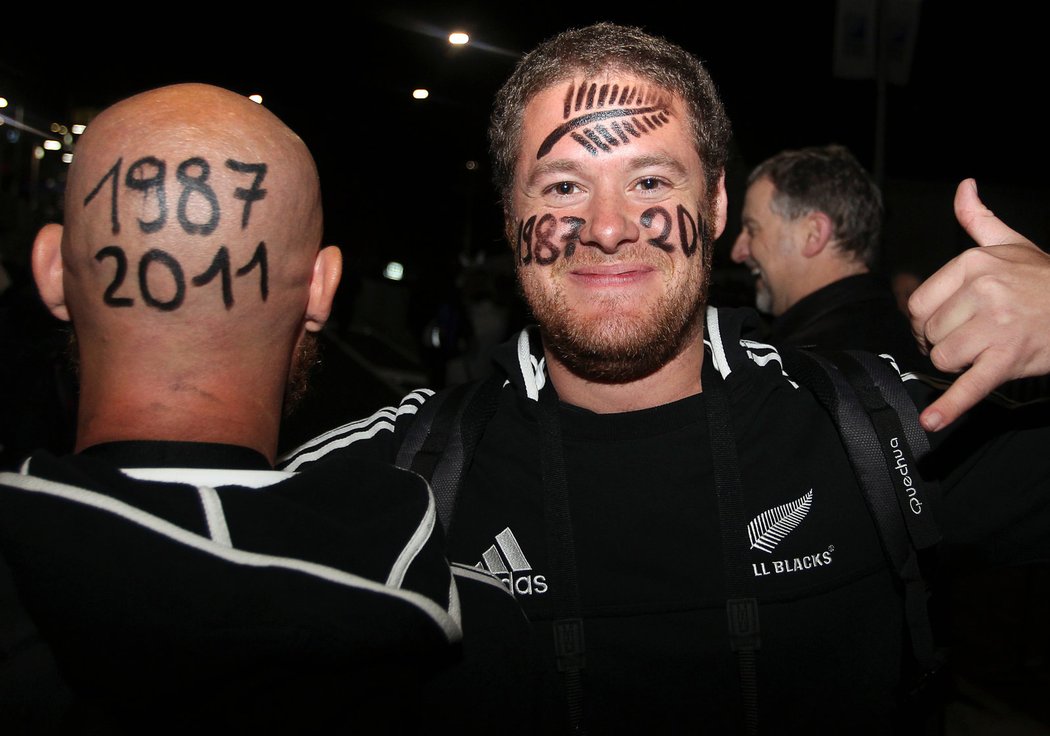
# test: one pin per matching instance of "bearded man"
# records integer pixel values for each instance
(635, 432)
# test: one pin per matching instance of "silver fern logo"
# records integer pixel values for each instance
(769, 528)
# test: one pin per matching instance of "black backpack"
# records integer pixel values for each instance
(880, 429)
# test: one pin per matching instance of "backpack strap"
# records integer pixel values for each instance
(742, 613)
(441, 439)
(438, 446)
(880, 428)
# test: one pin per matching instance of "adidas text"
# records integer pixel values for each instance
(524, 584)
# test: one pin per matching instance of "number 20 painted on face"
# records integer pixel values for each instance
(539, 240)
(148, 175)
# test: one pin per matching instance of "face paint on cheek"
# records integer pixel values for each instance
(688, 231)
(525, 240)
(538, 238)
(572, 236)
(545, 250)
(658, 217)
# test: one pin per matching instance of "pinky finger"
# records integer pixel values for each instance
(986, 374)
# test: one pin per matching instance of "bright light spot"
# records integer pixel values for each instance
(3, 102)
(67, 158)
(55, 127)
(394, 271)
(78, 129)
(67, 139)
(53, 145)
(420, 94)
(471, 165)
(458, 38)
(38, 152)
(255, 98)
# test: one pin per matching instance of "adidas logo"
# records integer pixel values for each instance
(507, 562)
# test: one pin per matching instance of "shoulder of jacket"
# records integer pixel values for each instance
(383, 421)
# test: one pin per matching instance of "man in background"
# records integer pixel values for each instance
(810, 232)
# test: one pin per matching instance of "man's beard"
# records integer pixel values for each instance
(763, 298)
(614, 347)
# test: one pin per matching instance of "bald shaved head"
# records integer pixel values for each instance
(176, 181)
(191, 247)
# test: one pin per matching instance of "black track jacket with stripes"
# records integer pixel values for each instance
(188, 586)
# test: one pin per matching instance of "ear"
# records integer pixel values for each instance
(721, 206)
(328, 269)
(818, 232)
(47, 270)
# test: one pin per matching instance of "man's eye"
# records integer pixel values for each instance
(563, 188)
(650, 183)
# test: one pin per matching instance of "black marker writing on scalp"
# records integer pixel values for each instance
(158, 256)
(258, 259)
(220, 266)
(148, 175)
(196, 184)
(117, 254)
(137, 180)
(251, 194)
(639, 109)
(113, 173)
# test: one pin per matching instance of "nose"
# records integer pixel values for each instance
(609, 224)
(741, 248)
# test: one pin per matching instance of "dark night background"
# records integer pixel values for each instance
(408, 180)
(399, 184)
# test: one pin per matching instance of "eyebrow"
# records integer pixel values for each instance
(556, 166)
(568, 166)
(658, 159)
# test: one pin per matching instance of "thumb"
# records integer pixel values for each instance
(980, 223)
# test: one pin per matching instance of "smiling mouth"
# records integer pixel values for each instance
(613, 274)
(612, 269)
(756, 272)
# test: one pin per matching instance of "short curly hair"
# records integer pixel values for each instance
(600, 48)
(828, 179)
